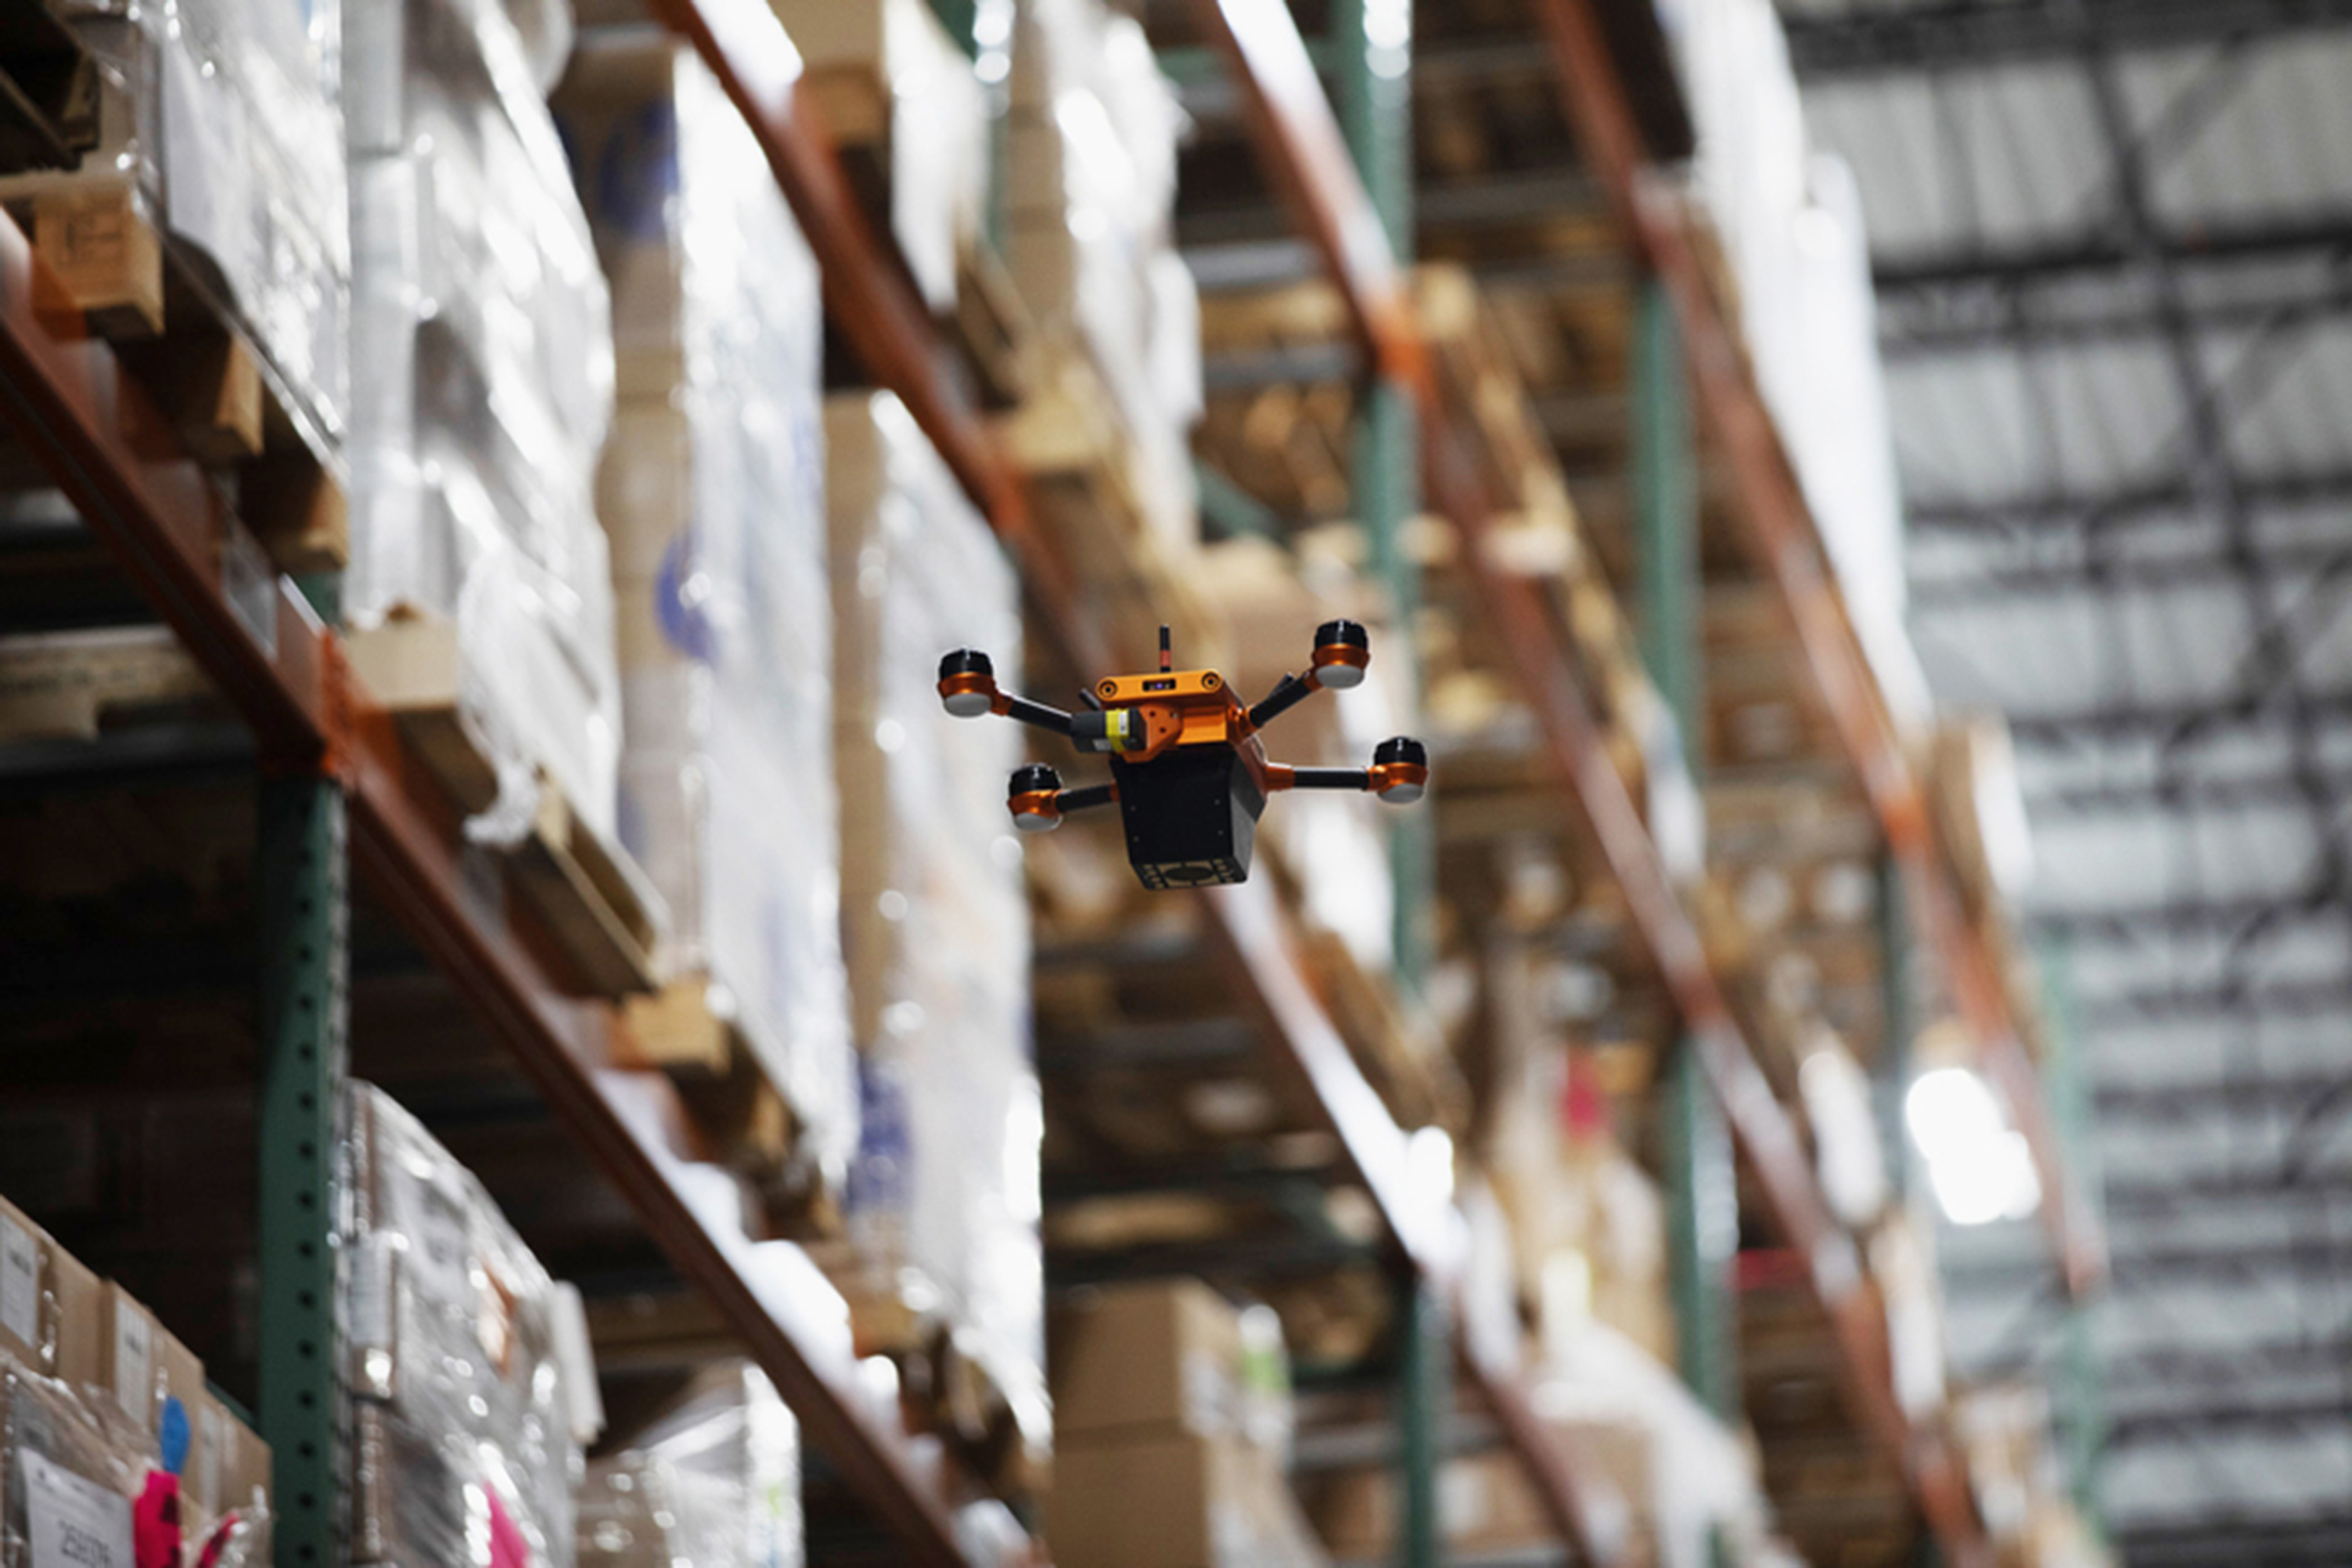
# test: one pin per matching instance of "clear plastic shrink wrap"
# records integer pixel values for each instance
(1791, 228)
(227, 118)
(712, 493)
(485, 326)
(463, 1451)
(68, 1465)
(1091, 241)
(715, 1482)
(934, 125)
(944, 1198)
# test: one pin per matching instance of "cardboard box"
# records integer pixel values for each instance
(81, 1329)
(181, 1399)
(1165, 1357)
(27, 1302)
(127, 1341)
(230, 1463)
(1172, 1502)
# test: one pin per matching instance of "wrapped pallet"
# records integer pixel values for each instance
(485, 325)
(464, 1450)
(713, 1481)
(944, 1198)
(217, 123)
(712, 494)
(1790, 223)
(1091, 235)
(107, 1427)
(897, 92)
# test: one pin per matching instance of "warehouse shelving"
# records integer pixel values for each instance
(340, 783)
(753, 58)
(343, 791)
(1298, 142)
(1782, 531)
(340, 788)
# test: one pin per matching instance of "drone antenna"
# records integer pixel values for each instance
(1167, 658)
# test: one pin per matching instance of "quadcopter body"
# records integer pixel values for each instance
(1189, 773)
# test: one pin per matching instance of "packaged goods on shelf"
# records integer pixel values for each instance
(219, 125)
(464, 1450)
(714, 1481)
(944, 1197)
(2019, 1481)
(1790, 225)
(100, 1407)
(485, 325)
(1980, 807)
(1338, 848)
(712, 493)
(1588, 1222)
(1091, 235)
(895, 87)
(1173, 1422)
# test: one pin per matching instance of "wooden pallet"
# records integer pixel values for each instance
(1088, 492)
(71, 685)
(107, 257)
(679, 1031)
(592, 899)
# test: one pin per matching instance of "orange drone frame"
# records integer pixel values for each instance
(1188, 771)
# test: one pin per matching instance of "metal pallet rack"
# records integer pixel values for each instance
(342, 791)
(1306, 162)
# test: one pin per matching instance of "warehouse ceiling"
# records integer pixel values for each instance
(2113, 241)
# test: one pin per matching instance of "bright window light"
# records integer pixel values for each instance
(1976, 1163)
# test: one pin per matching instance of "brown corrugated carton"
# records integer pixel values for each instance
(27, 1301)
(1172, 1502)
(81, 1328)
(1164, 1356)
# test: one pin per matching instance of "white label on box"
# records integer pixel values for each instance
(134, 1362)
(72, 1522)
(20, 1284)
(211, 1424)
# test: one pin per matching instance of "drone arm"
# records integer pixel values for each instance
(1070, 800)
(1331, 778)
(1038, 802)
(1342, 649)
(1399, 773)
(968, 687)
(1288, 693)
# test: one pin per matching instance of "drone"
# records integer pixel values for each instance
(1188, 771)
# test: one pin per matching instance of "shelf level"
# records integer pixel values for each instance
(748, 52)
(67, 398)
(1330, 206)
(1783, 537)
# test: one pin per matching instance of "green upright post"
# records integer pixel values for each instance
(1370, 49)
(1893, 1074)
(1426, 1396)
(2081, 1415)
(305, 1018)
(1703, 1199)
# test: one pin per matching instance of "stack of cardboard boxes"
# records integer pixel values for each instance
(101, 1407)
(712, 494)
(905, 106)
(485, 327)
(945, 1199)
(466, 1363)
(1172, 1418)
(1090, 237)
